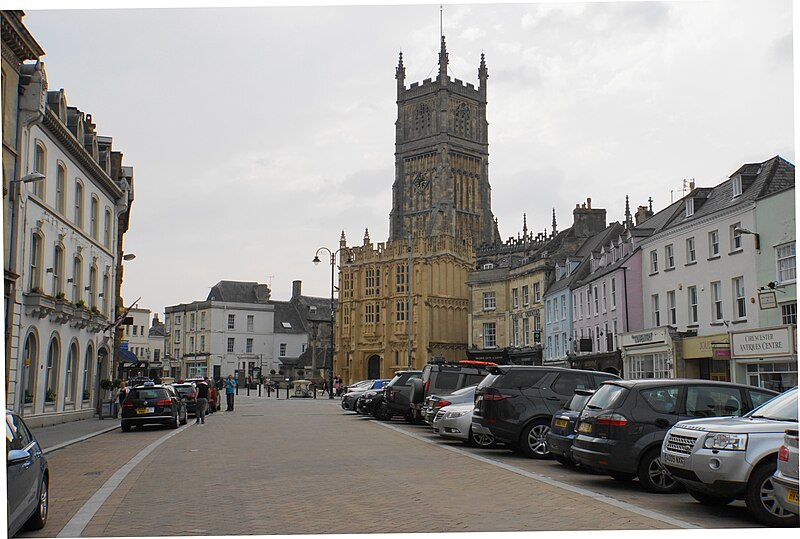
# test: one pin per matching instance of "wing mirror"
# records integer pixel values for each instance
(17, 456)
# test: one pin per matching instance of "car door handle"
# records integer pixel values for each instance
(26, 464)
(552, 398)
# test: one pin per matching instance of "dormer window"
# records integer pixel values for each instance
(737, 185)
(689, 207)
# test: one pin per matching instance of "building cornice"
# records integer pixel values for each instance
(17, 37)
(65, 137)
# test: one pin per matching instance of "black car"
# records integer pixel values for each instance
(562, 428)
(444, 378)
(396, 396)
(622, 427)
(188, 394)
(27, 478)
(369, 401)
(153, 404)
(516, 403)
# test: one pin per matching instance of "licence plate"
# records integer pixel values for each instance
(561, 423)
(673, 459)
(148, 410)
(585, 427)
(791, 495)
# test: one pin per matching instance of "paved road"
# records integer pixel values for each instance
(306, 466)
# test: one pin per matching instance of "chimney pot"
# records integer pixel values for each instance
(589, 203)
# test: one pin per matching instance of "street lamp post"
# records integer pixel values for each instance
(316, 261)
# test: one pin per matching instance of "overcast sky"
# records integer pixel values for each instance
(258, 134)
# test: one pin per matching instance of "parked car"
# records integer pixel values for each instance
(27, 478)
(188, 394)
(369, 401)
(442, 378)
(562, 427)
(396, 396)
(351, 396)
(153, 404)
(725, 458)
(455, 421)
(622, 426)
(357, 385)
(516, 403)
(214, 403)
(785, 479)
(434, 403)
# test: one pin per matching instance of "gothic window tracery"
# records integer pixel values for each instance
(422, 119)
(462, 120)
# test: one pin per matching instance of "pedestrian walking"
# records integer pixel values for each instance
(201, 402)
(336, 386)
(230, 388)
(123, 392)
(325, 388)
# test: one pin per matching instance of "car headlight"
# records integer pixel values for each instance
(455, 414)
(729, 442)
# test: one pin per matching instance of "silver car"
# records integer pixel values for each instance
(434, 403)
(455, 422)
(785, 479)
(720, 459)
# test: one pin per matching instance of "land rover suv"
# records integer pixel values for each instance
(396, 396)
(516, 403)
(442, 378)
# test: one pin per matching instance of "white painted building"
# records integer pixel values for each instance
(700, 278)
(64, 250)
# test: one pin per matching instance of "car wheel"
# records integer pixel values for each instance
(39, 517)
(481, 440)
(622, 476)
(126, 427)
(534, 440)
(176, 422)
(565, 461)
(761, 501)
(185, 418)
(710, 500)
(654, 476)
(383, 413)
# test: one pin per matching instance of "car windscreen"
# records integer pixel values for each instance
(781, 408)
(446, 380)
(404, 378)
(578, 401)
(148, 394)
(184, 390)
(607, 396)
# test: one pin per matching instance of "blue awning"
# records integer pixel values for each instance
(126, 356)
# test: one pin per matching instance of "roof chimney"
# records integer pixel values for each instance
(297, 288)
(586, 221)
(643, 214)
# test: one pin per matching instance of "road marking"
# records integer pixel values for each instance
(552, 482)
(77, 523)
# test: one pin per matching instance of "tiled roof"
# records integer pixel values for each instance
(285, 313)
(591, 244)
(233, 292)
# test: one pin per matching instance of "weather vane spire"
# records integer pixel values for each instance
(441, 24)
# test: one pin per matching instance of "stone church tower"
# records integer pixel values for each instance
(441, 182)
(405, 301)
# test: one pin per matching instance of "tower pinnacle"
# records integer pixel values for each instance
(443, 59)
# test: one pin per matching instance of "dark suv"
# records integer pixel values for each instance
(621, 429)
(516, 403)
(153, 403)
(396, 396)
(444, 378)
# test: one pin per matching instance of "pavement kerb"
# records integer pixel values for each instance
(68, 443)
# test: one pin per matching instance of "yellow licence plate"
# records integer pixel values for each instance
(791, 495)
(148, 410)
(561, 423)
(585, 427)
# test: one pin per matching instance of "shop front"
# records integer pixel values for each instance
(648, 354)
(706, 358)
(765, 357)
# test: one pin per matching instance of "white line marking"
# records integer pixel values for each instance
(553, 482)
(76, 525)
(77, 440)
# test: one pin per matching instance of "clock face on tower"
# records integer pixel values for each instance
(420, 182)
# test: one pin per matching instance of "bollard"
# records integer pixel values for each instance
(315, 392)
(269, 387)
(248, 389)
(287, 391)
(259, 390)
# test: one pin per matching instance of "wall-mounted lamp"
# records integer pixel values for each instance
(757, 237)
(49, 270)
(129, 256)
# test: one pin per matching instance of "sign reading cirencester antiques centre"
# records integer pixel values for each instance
(767, 342)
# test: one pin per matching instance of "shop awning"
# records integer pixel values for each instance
(126, 356)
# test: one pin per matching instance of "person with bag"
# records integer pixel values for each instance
(201, 402)
(230, 389)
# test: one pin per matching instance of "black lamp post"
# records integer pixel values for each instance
(316, 261)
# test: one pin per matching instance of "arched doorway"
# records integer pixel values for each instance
(374, 367)
(101, 372)
(30, 369)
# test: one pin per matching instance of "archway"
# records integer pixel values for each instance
(374, 367)
(30, 369)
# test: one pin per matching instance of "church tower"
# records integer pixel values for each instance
(441, 184)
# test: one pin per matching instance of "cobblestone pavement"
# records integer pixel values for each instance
(306, 467)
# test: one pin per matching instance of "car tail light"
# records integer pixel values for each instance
(427, 385)
(783, 454)
(613, 420)
(442, 403)
(164, 402)
(495, 397)
(127, 404)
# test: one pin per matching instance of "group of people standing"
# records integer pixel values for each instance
(338, 387)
